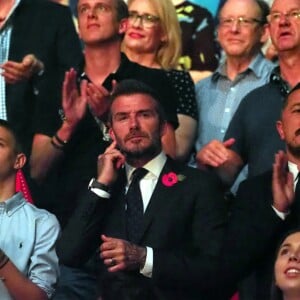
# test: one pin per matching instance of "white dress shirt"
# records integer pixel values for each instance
(293, 168)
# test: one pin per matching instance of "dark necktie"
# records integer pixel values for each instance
(134, 211)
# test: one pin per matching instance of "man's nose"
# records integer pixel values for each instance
(92, 13)
(235, 26)
(284, 19)
(134, 123)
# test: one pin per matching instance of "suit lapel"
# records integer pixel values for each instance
(162, 195)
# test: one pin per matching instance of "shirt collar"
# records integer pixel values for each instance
(275, 78)
(293, 168)
(256, 66)
(13, 204)
(154, 166)
(117, 75)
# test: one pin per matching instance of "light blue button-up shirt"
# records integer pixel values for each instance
(28, 236)
(218, 98)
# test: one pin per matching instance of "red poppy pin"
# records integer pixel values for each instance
(171, 178)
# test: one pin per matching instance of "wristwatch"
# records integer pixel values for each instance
(94, 184)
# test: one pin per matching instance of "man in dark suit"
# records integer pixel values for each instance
(31, 92)
(264, 209)
(175, 252)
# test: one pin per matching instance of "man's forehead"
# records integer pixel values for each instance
(285, 5)
(92, 2)
(293, 99)
(5, 134)
(137, 99)
(247, 4)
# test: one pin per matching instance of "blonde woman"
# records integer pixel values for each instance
(153, 39)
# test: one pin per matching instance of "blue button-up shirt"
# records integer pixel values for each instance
(218, 97)
(28, 236)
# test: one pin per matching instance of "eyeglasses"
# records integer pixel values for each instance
(99, 8)
(147, 20)
(242, 21)
(275, 17)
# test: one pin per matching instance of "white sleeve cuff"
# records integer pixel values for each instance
(280, 214)
(148, 267)
(100, 193)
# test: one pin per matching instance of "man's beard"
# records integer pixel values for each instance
(141, 153)
(294, 150)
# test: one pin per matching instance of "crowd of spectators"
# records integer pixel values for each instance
(187, 93)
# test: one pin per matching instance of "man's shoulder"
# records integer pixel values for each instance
(269, 89)
(262, 180)
(261, 96)
(40, 214)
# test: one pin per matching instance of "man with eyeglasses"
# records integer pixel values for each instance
(241, 33)
(64, 162)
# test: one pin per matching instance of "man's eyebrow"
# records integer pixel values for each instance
(295, 105)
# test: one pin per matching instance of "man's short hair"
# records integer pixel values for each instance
(263, 7)
(286, 99)
(17, 146)
(133, 86)
(121, 9)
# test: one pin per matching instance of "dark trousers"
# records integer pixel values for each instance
(76, 284)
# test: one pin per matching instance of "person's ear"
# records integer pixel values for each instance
(163, 128)
(265, 34)
(20, 161)
(123, 26)
(111, 133)
(164, 38)
(280, 130)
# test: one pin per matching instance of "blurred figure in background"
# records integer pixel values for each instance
(200, 53)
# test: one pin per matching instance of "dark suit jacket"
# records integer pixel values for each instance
(182, 223)
(254, 230)
(45, 29)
